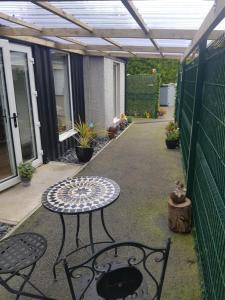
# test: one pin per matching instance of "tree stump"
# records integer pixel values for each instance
(180, 216)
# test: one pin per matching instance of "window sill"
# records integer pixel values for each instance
(65, 135)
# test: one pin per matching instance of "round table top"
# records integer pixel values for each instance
(80, 195)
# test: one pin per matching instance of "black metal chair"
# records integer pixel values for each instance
(136, 272)
(18, 253)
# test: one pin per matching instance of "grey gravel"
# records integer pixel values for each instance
(4, 229)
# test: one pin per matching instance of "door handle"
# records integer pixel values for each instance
(14, 118)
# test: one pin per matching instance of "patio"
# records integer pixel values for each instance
(139, 214)
(59, 47)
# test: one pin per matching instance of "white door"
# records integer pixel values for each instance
(19, 124)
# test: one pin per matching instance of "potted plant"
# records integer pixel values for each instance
(179, 210)
(172, 136)
(85, 139)
(179, 193)
(112, 131)
(26, 171)
(129, 119)
(123, 121)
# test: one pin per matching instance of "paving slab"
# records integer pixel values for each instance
(18, 201)
(146, 171)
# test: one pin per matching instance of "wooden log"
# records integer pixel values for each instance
(180, 216)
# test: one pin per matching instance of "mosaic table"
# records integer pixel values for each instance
(80, 195)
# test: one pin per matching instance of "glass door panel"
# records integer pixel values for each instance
(20, 73)
(7, 157)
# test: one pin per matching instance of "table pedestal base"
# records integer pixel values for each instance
(91, 239)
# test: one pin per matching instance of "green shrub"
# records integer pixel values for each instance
(26, 170)
(173, 135)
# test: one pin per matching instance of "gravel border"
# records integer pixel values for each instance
(100, 142)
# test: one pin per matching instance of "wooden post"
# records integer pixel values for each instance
(180, 216)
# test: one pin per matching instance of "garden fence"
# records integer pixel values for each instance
(201, 116)
(143, 95)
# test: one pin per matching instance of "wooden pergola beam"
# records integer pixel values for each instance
(185, 34)
(127, 54)
(17, 21)
(69, 17)
(138, 18)
(30, 26)
(125, 48)
(215, 15)
(61, 13)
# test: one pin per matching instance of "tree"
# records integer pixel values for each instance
(166, 67)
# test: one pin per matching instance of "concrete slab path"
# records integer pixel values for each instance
(18, 202)
(146, 172)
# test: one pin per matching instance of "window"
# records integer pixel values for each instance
(116, 88)
(61, 74)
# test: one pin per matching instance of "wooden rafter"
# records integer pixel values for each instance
(185, 34)
(138, 18)
(125, 48)
(61, 13)
(69, 17)
(17, 21)
(215, 15)
(34, 39)
(141, 55)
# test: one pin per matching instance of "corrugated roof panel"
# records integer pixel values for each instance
(174, 14)
(32, 13)
(99, 14)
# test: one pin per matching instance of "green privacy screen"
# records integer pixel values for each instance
(142, 95)
(207, 190)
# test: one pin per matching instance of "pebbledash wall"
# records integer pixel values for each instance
(104, 90)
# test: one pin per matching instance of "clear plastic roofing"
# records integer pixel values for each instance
(129, 28)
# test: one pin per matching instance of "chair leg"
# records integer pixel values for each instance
(26, 279)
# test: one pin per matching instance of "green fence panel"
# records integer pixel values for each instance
(143, 95)
(190, 72)
(208, 193)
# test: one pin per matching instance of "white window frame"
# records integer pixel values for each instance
(65, 135)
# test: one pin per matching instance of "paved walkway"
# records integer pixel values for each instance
(24, 201)
(146, 172)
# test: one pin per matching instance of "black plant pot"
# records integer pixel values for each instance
(172, 144)
(25, 181)
(84, 154)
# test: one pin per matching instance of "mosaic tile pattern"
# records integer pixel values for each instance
(80, 194)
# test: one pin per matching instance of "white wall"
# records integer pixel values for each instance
(109, 85)
(98, 90)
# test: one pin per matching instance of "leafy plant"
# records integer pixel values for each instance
(147, 115)
(166, 67)
(112, 131)
(179, 193)
(129, 119)
(26, 170)
(173, 135)
(85, 134)
(172, 126)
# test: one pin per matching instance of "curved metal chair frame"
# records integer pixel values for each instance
(18, 253)
(97, 266)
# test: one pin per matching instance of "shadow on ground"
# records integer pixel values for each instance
(146, 172)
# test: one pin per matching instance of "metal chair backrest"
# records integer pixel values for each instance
(118, 271)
